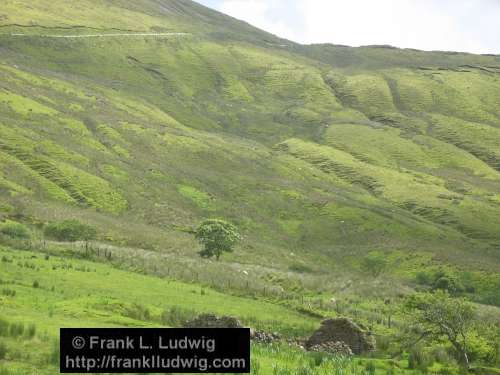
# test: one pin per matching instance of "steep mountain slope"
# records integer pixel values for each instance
(318, 153)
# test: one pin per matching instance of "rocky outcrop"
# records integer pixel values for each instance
(342, 330)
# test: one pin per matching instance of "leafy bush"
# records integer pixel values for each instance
(15, 230)
(70, 230)
(442, 280)
(424, 278)
(479, 348)
(374, 263)
(447, 282)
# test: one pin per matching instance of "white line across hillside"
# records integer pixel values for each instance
(116, 35)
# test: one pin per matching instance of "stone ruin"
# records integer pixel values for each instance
(334, 332)
(213, 321)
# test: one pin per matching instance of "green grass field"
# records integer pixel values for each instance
(42, 293)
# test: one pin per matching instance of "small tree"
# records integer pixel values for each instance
(71, 231)
(374, 263)
(437, 315)
(216, 236)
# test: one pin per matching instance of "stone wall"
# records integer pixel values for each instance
(213, 321)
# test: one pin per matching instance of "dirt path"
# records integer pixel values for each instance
(114, 35)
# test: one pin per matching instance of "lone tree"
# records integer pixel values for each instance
(216, 236)
(437, 315)
(71, 231)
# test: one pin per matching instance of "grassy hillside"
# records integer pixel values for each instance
(143, 118)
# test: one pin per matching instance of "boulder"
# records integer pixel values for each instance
(342, 330)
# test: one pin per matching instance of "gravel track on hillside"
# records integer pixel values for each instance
(114, 35)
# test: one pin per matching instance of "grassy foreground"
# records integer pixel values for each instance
(41, 293)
